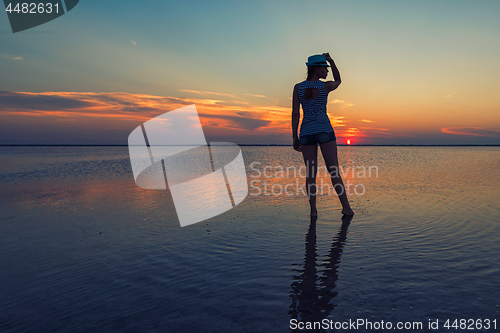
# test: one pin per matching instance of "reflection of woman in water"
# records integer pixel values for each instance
(316, 129)
(313, 291)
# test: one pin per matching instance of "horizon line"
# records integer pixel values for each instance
(259, 145)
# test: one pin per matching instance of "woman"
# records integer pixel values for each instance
(316, 129)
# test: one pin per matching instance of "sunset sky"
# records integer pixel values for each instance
(413, 72)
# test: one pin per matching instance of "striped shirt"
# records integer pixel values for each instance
(315, 117)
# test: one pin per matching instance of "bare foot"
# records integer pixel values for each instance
(348, 212)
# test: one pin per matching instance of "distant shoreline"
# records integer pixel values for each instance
(251, 145)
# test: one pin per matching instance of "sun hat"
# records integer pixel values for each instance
(317, 60)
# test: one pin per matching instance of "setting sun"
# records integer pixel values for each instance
(348, 142)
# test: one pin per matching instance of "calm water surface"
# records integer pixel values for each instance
(83, 249)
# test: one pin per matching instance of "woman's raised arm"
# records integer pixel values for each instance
(332, 85)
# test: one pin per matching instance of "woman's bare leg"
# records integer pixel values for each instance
(310, 153)
(329, 151)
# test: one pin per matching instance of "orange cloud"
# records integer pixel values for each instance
(368, 132)
(66, 116)
(353, 131)
(338, 121)
(207, 93)
(343, 104)
(217, 115)
(261, 96)
(471, 131)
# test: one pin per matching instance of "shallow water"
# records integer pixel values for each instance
(85, 249)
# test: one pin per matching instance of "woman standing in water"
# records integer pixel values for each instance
(316, 129)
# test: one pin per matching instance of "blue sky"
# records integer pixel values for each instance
(420, 72)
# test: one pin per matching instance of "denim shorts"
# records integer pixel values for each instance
(318, 138)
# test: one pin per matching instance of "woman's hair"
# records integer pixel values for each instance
(310, 73)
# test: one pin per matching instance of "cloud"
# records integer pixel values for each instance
(207, 93)
(353, 131)
(87, 104)
(133, 42)
(248, 114)
(109, 117)
(338, 121)
(10, 56)
(471, 131)
(219, 94)
(262, 96)
(343, 104)
(374, 128)
(127, 111)
(369, 132)
(27, 102)
(121, 108)
(381, 132)
(238, 121)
